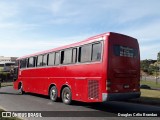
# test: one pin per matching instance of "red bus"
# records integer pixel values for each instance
(101, 68)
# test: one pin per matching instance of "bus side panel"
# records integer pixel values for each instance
(15, 84)
(80, 89)
(85, 80)
(49, 76)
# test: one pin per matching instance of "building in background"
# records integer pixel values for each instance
(7, 68)
(8, 59)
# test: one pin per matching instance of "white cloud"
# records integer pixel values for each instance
(149, 51)
(7, 10)
(133, 10)
(22, 22)
(56, 6)
(17, 26)
(20, 47)
(10, 18)
(60, 21)
(147, 36)
(145, 32)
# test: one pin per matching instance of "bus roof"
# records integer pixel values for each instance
(93, 38)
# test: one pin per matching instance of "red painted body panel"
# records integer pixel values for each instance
(123, 70)
(77, 76)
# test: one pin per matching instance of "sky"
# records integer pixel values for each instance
(30, 26)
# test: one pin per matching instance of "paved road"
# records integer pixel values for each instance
(11, 100)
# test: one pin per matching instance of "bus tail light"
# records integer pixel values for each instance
(108, 88)
(134, 90)
(116, 91)
(108, 85)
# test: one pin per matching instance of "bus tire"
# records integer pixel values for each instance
(53, 93)
(66, 95)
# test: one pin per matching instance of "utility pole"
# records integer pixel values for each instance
(158, 67)
(156, 74)
(156, 70)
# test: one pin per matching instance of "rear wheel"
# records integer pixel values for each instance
(66, 96)
(53, 93)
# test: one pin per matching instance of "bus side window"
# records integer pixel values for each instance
(51, 58)
(67, 56)
(39, 61)
(96, 51)
(85, 53)
(74, 55)
(35, 61)
(62, 57)
(57, 56)
(31, 62)
(45, 59)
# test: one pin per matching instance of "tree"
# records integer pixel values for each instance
(145, 65)
(149, 66)
(152, 69)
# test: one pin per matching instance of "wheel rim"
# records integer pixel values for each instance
(53, 94)
(66, 96)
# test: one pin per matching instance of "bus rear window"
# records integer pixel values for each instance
(125, 51)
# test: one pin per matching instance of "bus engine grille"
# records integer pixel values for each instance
(93, 89)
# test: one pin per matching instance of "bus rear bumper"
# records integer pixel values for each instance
(119, 96)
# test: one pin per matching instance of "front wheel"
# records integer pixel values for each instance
(53, 93)
(66, 96)
(21, 89)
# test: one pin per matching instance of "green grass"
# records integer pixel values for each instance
(7, 118)
(151, 97)
(152, 84)
(150, 93)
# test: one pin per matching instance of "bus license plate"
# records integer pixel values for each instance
(126, 86)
